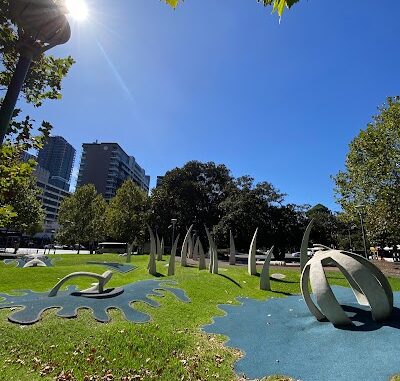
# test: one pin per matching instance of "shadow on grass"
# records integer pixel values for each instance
(283, 281)
(279, 280)
(230, 279)
(159, 275)
(282, 293)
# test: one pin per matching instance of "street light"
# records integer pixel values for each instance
(358, 208)
(349, 229)
(42, 25)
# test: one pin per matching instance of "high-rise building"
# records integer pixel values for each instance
(50, 196)
(107, 166)
(159, 181)
(57, 156)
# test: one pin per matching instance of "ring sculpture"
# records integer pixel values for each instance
(369, 285)
(95, 291)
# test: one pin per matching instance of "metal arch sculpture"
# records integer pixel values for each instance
(369, 285)
(129, 251)
(196, 249)
(304, 245)
(171, 264)
(184, 250)
(265, 283)
(213, 253)
(158, 247)
(232, 249)
(202, 257)
(152, 267)
(252, 262)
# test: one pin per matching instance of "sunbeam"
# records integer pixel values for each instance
(115, 72)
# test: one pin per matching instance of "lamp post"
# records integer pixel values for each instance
(349, 229)
(173, 222)
(359, 207)
(42, 24)
(350, 244)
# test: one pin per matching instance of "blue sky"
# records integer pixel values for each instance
(224, 81)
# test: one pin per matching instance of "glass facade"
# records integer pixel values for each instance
(57, 157)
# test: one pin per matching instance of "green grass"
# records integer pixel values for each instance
(171, 347)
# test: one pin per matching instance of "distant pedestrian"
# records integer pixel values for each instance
(380, 252)
(395, 254)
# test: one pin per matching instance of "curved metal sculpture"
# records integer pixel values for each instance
(213, 253)
(202, 257)
(265, 283)
(304, 245)
(184, 250)
(35, 262)
(152, 267)
(190, 247)
(196, 249)
(171, 264)
(158, 248)
(369, 285)
(97, 289)
(129, 252)
(232, 249)
(162, 248)
(252, 265)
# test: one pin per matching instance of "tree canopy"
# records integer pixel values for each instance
(127, 214)
(192, 195)
(277, 5)
(207, 193)
(370, 182)
(82, 217)
(43, 82)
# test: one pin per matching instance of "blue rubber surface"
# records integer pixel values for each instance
(21, 262)
(120, 267)
(35, 303)
(280, 336)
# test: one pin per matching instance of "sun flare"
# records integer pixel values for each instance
(78, 9)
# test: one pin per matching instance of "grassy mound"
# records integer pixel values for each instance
(170, 348)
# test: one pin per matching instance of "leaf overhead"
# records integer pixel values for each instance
(277, 5)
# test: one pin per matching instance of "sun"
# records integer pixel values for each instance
(78, 9)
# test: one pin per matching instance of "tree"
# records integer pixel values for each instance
(28, 209)
(43, 82)
(17, 186)
(278, 5)
(82, 217)
(289, 224)
(192, 195)
(127, 214)
(247, 207)
(370, 183)
(326, 226)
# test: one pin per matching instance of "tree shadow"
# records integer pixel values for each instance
(230, 279)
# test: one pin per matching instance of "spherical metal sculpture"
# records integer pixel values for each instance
(370, 286)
